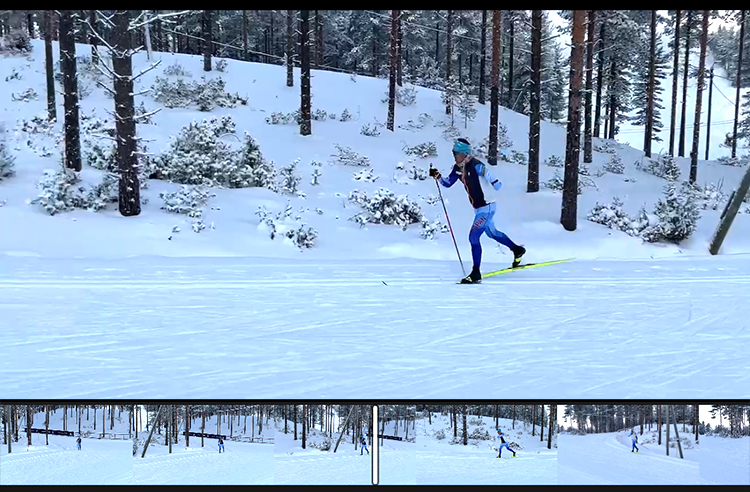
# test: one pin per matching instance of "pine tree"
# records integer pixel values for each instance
(70, 88)
(465, 104)
(304, 49)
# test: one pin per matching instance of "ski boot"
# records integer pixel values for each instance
(518, 252)
(473, 278)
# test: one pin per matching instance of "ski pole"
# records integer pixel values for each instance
(440, 194)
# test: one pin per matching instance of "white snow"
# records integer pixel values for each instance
(441, 463)
(398, 459)
(606, 459)
(725, 461)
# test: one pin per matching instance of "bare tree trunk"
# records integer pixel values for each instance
(290, 48)
(494, 76)
(708, 121)
(568, 216)
(465, 433)
(511, 43)
(295, 421)
(738, 84)
(552, 418)
(394, 65)
(675, 76)
(28, 425)
(588, 153)
(46, 424)
(70, 88)
(482, 60)
(399, 49)
(681, 149)
(49, 66)
(318, 40)
(208, 42)
(127, 159)
(650, 89)
(187, 426)
(532, 181)
(448, 57)
(304, 424)
(698, 99)
(244, 35)
(305, 106)
(599, 81)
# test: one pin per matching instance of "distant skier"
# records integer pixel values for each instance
(634, 440)
(78, 441)
(500, 440)
(221, 445)
(468, 169)
(363, 444)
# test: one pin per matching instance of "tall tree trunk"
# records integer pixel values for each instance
(208, 42)
(681, 148)
(244, 35)
(708, 113)
(738, 85)
(46, 424)
(305, 127)
(675, 76)
(49, 66)
(318, 40)
(394, 65)
(399, 49)
(612, 102)
(70, 88)
(532, 181)
(93, 41)
(187, 426)
(497, 18)
(295, 421)
(650, 89)
(127, 158)
(28, 425)
(304, 412)
(465, 432)
(511, 42)
(290, 48)
(698, 100)
(599, 81)
(552, 418)
(588, 153)
(483, 33)
(569, 213)
(448, 57)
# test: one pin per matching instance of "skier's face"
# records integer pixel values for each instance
(459, 158)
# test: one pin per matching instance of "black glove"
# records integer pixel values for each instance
(434, 173)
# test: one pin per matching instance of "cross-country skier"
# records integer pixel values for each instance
(468, 169)
(500, 440)
(363, 443)
(634, 440)
(78, 441)
(221, 445)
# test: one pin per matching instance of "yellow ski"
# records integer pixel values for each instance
(522, 267)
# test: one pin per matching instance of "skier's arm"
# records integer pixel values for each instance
(450, 180)
(491, 179)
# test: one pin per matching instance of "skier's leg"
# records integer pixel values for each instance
(492, 231)
(477, 229)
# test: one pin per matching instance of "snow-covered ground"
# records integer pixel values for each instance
(100, 306)
(441, 463)
(293, 465)
(241, 463)
(99, 462)
(725, 461)
(398, 459)
(606, 459)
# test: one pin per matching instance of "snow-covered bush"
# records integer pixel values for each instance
(614, 164)
(366, 175)
(451, 132)
(405, 96)
(302, 236)
(143, 116)
(221, 65)
(6, 163)
(319, 115)
(733, 161)
(439, 434)
(710, 197)
(16, 42)
(345, 115)
(206, 94)
(423, 150)
(385, 208)
(349, 157)
(417, 173)
(289, 179)
(26, 96)
(370, 129)
(663, 166)
(279, 118)
(98, 197)
(520, 158)
(60, 191)
(176, 69)
(503, 142)
(422, 120)
(431, 229)
(608, 147)
(677, 214)
(189, 201)
(612, 216)
(105, 159)
(556, 183)
(554, 161)
(251, 164)
(14, 75)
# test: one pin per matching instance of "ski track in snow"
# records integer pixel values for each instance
(599, 459)
(435, 468)
(320, 468)
(264, 328)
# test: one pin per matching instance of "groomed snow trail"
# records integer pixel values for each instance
(264, 328)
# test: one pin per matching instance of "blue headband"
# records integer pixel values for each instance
(461, 148)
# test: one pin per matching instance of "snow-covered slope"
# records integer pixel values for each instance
(725, 461)
(398, 465)
(439, 461)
